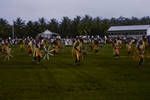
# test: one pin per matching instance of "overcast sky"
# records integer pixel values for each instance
(34, 9)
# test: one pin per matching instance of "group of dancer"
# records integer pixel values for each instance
(135, 48)
(43, 48)
(37, 48)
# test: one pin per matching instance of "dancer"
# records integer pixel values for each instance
(130, 47)
(77, 50)
(116, 48)
(141, 50)
(30, 48)
(95, 46)
(7, 51)
(37, 54)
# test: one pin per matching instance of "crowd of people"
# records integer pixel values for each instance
(44, 48)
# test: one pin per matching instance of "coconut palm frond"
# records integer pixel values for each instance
(47, 53)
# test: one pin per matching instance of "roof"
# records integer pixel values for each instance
(129, 28)
(47, 32)
(148, 32)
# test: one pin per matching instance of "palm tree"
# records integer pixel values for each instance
(53, 25)
(5, 28)
(19, 28)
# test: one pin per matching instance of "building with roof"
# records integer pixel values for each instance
(130, 31)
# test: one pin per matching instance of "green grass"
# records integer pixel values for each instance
(99, 77)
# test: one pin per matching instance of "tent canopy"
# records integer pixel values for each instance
(47, 34)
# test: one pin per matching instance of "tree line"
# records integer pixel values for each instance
(67, 27)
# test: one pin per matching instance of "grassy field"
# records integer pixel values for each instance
(99, 77)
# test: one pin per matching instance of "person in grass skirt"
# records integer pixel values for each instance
(37, 53)
(116, 48)
(6, 51)
(141, 50)
(77, 50)
(95, 45)
(30, 47)
(57, 45)
(130, 47)
(147, 46)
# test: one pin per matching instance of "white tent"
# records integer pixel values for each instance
(47, 34)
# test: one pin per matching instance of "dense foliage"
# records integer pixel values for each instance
(67, 27)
